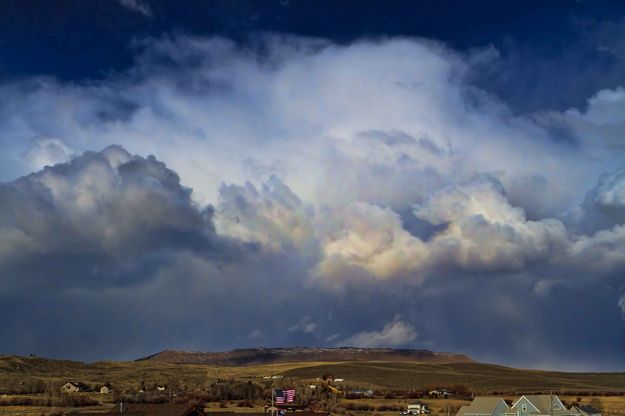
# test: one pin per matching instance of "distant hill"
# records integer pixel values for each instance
(257, 356)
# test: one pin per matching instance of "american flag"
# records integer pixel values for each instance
(285, 396)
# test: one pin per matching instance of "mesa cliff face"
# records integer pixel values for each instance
(298, 354)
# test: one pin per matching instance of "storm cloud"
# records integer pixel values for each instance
(218, 196)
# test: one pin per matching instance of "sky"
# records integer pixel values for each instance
(234, 174)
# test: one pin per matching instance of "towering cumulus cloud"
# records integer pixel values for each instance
(103, 220)
(307, 193)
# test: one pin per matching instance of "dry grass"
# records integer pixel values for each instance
(612, 405)
(18, 373)
(480, 378)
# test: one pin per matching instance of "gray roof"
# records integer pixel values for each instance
(543, 403)
(588, 409)
(481, 405)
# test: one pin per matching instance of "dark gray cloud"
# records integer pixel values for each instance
(104, 207)
(604, 205)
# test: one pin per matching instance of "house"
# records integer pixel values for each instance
(528, 405)
(586, 410)
(542, 404)
(417, 408)
(106, 389)
(486, 406)
(439, 393)
(361, 392)
(74, 387)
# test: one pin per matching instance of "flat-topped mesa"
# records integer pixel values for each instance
(305, 354)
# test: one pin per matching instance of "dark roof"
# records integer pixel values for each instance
(588, 408)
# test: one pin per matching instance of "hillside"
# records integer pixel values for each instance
(256, 356)
(26, 373)
(476, 377)
(18, 373)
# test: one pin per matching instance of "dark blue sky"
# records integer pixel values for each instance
(208, 175)
(78, 40)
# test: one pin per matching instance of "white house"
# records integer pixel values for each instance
(70, 388)
(74, 387)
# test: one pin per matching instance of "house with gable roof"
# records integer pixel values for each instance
(586, 410)
(542, 405)
(527, 405)
(75, 387)
(486, 406)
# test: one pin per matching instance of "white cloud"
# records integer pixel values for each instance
(367, 240)
(621, 305)
(607, 107)
(394, 334)
(383, 122)
(602, 253)
(273, 216)
(47, 152)
(484, 232)
(334, 144)
(138, 6)
(478, 230)
(304, 325)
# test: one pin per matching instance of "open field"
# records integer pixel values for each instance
(479, 378)
(17, 373)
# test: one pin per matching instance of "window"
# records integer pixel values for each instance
(524, 407)
(556, 407)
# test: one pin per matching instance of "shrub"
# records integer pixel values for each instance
(17, 401)
(388, 408)
(245, 403)
(358, 407)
